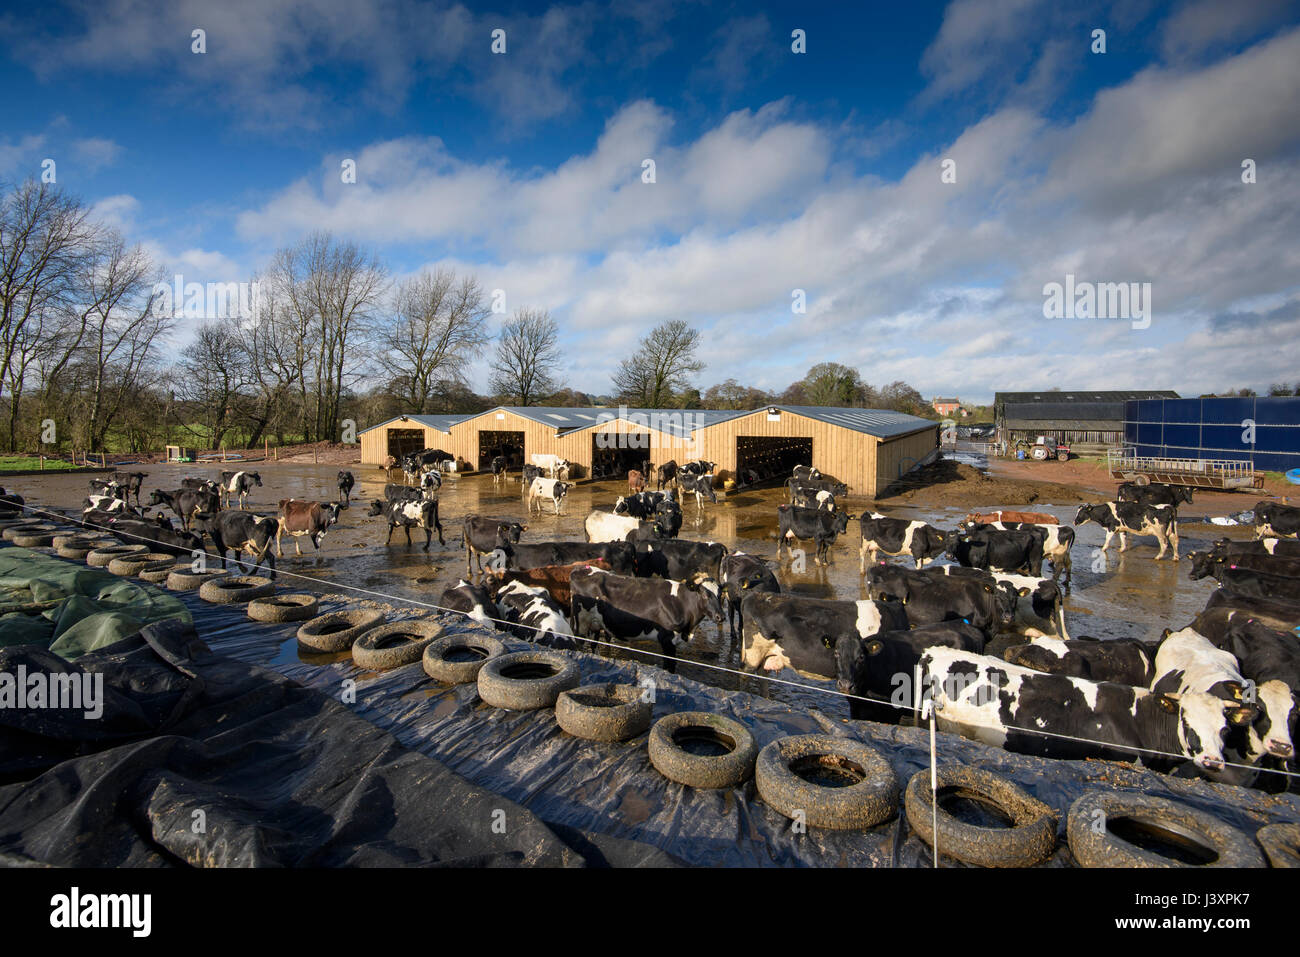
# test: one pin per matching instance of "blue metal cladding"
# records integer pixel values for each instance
(1219, 428)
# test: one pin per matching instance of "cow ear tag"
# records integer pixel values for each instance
(1167, 703)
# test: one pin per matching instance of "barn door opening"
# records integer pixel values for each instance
(492, 444)
(764, 458)
(405, 441)
(616, 462)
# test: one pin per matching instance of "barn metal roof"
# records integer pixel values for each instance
(1073, 397)
(442, 423)
(678, 422)
(882, 423)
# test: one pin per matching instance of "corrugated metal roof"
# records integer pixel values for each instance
(442, 423)
(882, 423)
(1112, 411)
(1075, 425)
(1045, 396)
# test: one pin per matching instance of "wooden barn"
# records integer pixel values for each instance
(865, 448)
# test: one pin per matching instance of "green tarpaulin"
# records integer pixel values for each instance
(72, 609)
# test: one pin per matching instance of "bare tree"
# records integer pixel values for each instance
(332, 289)
(45, 239)
(439, 326)
(660, 368)
(215, 377)
(527, 357)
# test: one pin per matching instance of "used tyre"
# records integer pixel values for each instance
(227, 589)
(1203, 838)
(34, 539)
(76, 546)
(337, 630)
(127, 565)
(457, 659)
(1281, 842)
(27, 530)
(702, 750)
(157, 572)
(298, 606)
(100, 557)
(604, 712)
(1029, 840)
(183, 578)
(827, 781)
(394, 644)
(526, 680)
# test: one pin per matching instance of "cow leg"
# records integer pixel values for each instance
(428, 537)
(1105, 546)
(862, 558)
(1123, 541)
(297, 546)
(1173, 540)
(408, 533)
(668, 646)
(278, 549)
(389, 539)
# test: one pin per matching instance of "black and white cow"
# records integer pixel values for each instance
(202, 485)
(1275, 520)
(499, 464)
(701, 486)
(482, 535)
(1156, 493)
(238, 483)
(809, 524)
(640, 505)
(109, 504)
(667, 518)
(739, 574)
(881, 667)
(185, 502)
(1126, 661)
(679, 560)
(620, 556)
(346, 481)
(103, 488)
(547, 490)
(1057, 542)
(790, 631)
(642, 609)
(529, 474)
(931, 597)
(1276, 613)
(1251, 583)
(240, 533)
(1130, 518)
(1271, 660)
(534, 615)
(1187, 662)
(473, 601)
(1058, 716)
(1040, 608)
(159, 539)
(697, 467)
(130, 483)
(1214, 562)
(666, 474)
(430, 483)
(805, 473)
(806, 497)
(408, 514)
(993, 550)
(1273, 547)
(898, 536)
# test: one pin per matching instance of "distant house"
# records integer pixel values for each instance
(949, 407)
(1076, 418)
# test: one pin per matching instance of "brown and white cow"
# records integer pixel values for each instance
(554, 578)
(312, 519)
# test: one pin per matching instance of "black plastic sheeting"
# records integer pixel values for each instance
(613, 790)
(203, 760)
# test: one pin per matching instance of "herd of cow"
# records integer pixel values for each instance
(1215, 696)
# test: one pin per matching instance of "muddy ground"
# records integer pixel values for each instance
(1112, 595)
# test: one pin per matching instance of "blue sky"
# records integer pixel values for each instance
(775, 171)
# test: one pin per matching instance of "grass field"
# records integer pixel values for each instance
(22, 463)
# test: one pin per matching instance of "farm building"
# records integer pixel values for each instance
(865, 448)
(1075, 418)
(1264, 431)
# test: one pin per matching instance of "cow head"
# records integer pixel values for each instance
(1273, 731)
(1084, 514)
(1007, 596)
(562, 489)
(1203, 564)
(620, 507)
(852, 656)
(203, 521)
(257, 479)
(376, 508)
(708, 590)
(1204, 722)
(508, 532)
(840, 521)
(331, 509)
(156, 497)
